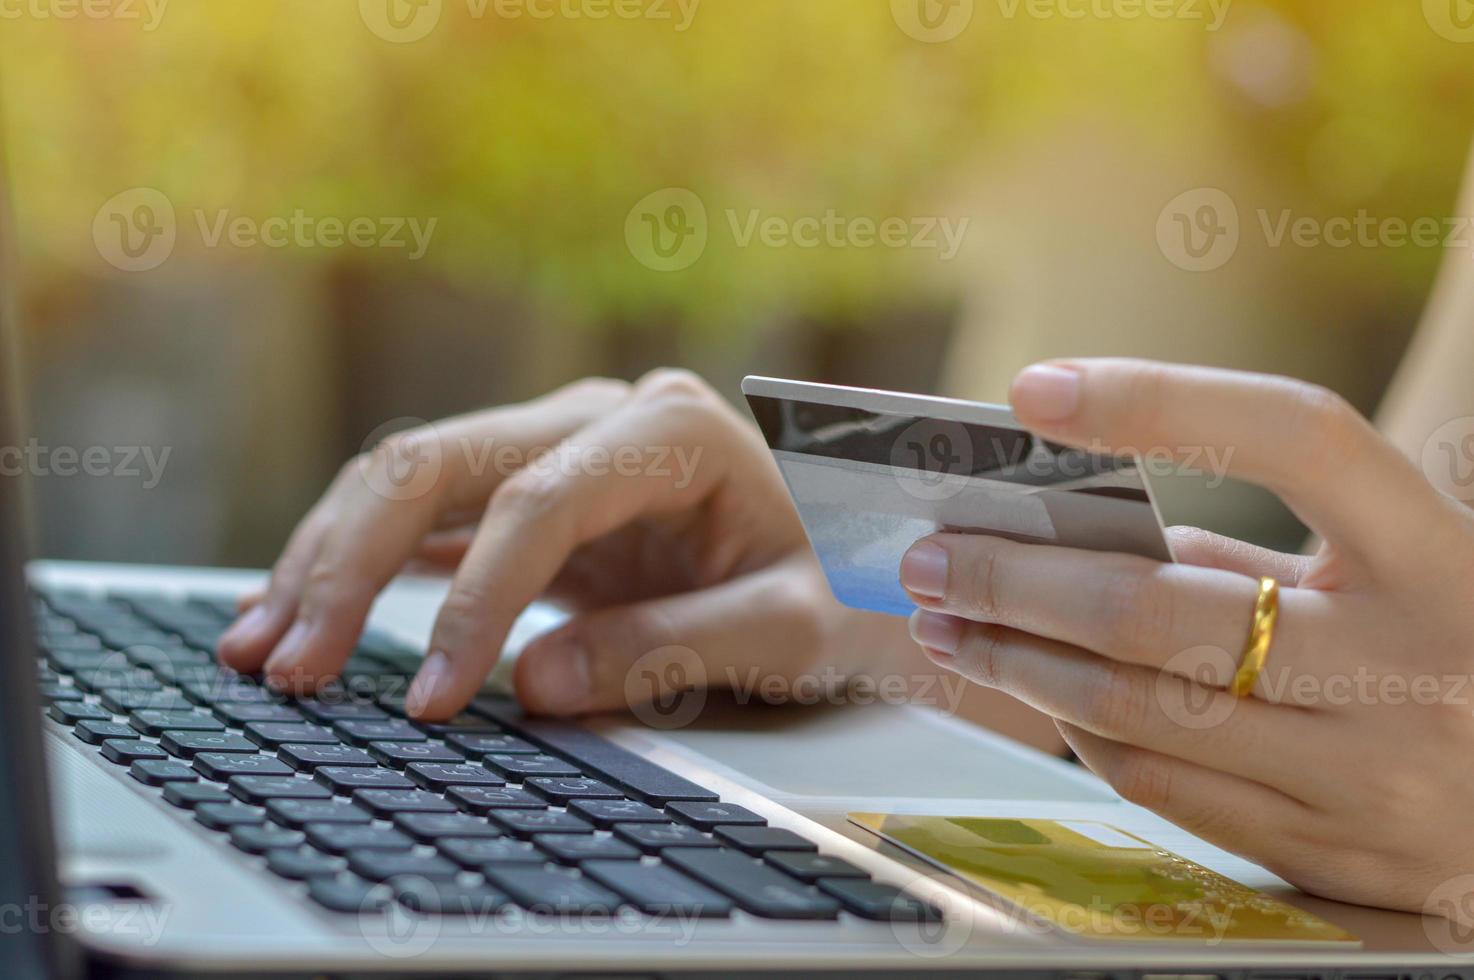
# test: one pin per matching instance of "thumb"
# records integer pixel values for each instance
(620, 658)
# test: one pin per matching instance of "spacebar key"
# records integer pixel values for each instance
(638, 777)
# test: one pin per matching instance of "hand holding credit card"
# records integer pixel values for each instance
(872, 472)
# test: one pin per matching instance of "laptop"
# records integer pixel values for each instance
(162, 817)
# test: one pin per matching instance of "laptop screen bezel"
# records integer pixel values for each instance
(28, 882)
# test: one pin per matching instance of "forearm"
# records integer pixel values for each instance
(1432, 386)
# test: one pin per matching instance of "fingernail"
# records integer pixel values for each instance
(433, 676)
(559, 677)
(1047, 392)
(288, 651)
(936, 631)
(244, 629)
(924, 569)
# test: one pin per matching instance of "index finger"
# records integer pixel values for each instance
(384, 511)
(1298, 440)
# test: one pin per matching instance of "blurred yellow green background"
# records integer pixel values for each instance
(1051, 133)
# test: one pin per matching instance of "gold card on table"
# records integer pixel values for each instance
(1093, 880)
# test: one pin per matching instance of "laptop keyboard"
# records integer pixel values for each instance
(358, 806)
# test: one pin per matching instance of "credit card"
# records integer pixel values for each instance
(1097, 881)
(872, 472)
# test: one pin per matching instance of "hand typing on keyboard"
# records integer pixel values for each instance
(655, 510)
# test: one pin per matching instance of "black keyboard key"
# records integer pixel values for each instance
(760, 840)
(93, 732)
(383, 865)
(157, 772)
(223, 690)
(154, 722)
(437, 776)
(274, 734)
(709, 816)
(327, 712)
(754, 886)
(223, 816)
(659, 890)
(299, 813)
(561, 789)
(479, 852)
(125, 751)
(578, 848)
(190, 795)
(476, 744)
(607, 813)
(873, 900)
(352, 896)
(303, 864)
(71, 712)
(339, 838)
(484, 799)
(655, 837)
(187, 745)
(461, 724)
(238, 715)
(306, 758)
(69, 661)
(526, 823)
(401, 754)
(123, 700)
(523, 766)
(130, 678)
(385, 803)
(258, 789)
(361, 733)
(449, 898)
(223, 765)
(346, 779)
(638, 777)
(811, 867)
(541, 890)
(52, 693)
(258, 839)
(430, 827)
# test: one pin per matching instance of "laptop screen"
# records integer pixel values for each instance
(28, 891)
